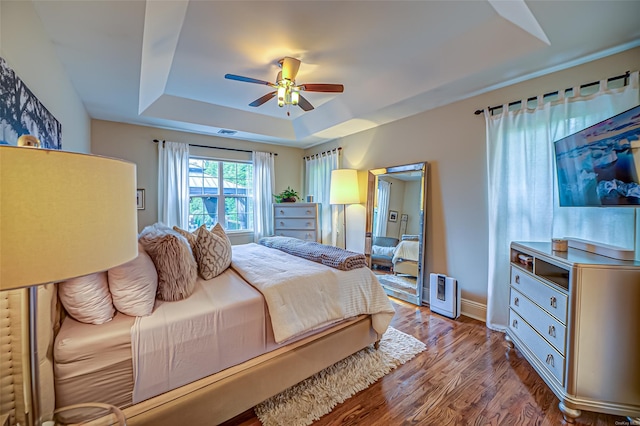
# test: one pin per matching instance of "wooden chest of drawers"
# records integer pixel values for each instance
(297, 220)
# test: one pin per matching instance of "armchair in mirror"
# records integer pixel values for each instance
(395, 229)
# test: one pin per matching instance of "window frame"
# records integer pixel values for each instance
(221, 208)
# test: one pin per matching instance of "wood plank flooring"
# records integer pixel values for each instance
(463, 378)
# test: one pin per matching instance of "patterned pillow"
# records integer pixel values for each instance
(213, 251)
(174, 261)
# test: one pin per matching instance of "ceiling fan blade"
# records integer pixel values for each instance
(247, 79)
(290, 68)
(262, 99)
(304, 104)
(334, 88)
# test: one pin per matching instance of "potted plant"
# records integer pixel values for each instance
(287, 196)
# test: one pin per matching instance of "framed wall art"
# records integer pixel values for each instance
(393, 216)
(23, 114)
(140, 199)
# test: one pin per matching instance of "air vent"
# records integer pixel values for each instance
(227, 132)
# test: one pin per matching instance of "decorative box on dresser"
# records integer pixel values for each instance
(298, 220)
(574, 315)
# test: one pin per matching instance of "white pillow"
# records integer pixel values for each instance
(133, 285)
(383, 250)
(87, 299)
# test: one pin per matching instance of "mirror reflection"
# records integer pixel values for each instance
(395, 229)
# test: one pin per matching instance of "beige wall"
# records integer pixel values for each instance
(452, 139)
(135, 144)
(32, 56)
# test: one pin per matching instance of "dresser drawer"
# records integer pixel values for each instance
(547, 326)
(301, 235)
(299, 224)
(550, 358)
(294, 211)
(548, 298)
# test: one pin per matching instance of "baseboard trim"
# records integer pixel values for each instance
(474, 310)
(468, 308)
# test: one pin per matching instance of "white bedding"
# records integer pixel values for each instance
(221, 324)
(302, 295)
(406, 250)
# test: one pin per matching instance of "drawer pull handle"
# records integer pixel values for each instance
(281, 223)
(308, 211)
(550, 360)
(514, 323)
(554, 302)
(516, 301)
(552, 331)
(517, 279)
(308, 223)
(282, 211)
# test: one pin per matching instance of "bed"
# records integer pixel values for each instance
(228, 346)
(405, 257)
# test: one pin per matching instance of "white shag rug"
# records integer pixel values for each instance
(302, 404)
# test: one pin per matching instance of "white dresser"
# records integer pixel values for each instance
(574, 316)
(297, 220)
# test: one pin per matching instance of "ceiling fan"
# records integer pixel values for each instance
(287, 91)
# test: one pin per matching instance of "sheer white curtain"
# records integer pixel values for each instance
(384, 193)
(173, 184)
(522, 193)
(263, 187)
(318, 182)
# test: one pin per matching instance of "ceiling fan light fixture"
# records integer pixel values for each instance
(282, 93)
(286, 90)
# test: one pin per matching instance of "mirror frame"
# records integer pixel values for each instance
(422, 255)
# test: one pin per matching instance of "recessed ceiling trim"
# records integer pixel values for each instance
(162, 26)
(517, 12)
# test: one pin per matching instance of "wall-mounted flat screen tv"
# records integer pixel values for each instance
(600, 165)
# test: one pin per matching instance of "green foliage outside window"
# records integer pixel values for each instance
(237, 194)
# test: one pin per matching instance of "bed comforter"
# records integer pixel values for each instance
(302, 295)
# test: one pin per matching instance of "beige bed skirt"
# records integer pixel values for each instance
(224, 395)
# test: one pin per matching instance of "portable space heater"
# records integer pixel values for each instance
(444, 295)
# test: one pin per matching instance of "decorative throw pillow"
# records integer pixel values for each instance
(134, 285)
(87, 298)
(191, 238)
(213, 251)
(174, 261)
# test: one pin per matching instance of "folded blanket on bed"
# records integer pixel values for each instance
(302, 295)
(335, 257)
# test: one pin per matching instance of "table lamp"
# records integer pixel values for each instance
(344, 190)
(62, 215)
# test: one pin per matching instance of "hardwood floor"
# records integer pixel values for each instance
(463, 378)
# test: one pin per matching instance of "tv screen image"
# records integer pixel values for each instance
(600, 165)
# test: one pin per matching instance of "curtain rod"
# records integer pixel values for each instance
(219, 147)
(533, 98)
(323, 152)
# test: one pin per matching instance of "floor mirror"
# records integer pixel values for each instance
(395, 229)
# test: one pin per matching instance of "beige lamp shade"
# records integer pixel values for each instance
(63, 215)
(344, 187)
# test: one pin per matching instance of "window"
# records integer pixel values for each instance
(220, 191)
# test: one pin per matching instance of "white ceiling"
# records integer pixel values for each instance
(162, 63)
